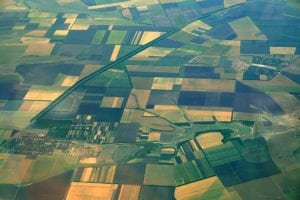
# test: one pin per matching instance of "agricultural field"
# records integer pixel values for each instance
(131, 99)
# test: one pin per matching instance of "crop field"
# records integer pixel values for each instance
(91, 191)
(14, 174)
(153, 175)
(210, 188)
(245, 28)
(191, 84)
(59, 164)
(129, 192)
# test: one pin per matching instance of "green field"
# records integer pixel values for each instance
(45, 167)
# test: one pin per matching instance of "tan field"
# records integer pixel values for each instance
(141, 68)
(37, 33)
(207, 115)
(86, 174)
(80, 27)
(115, 53)
(39, 49)
(129, 192)
(152, 53)
(34, 40)
(160, 83)
(14, 168)
(91, 191)
(33, 105)
(112, 102)
(148, 36)
(195, 189)
(283, 50)
(110, 174)
(138, 98)
(142, 82)
(34, 94)
(154, 136)
(197, 25)
(209, 140)
(210, 188)
(210, 85)
(246, 116)
(246, 29)
(88, 69)
(228, 3)
(61, 32)
(69, 81)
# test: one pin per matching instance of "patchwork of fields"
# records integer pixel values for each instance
(131, 99)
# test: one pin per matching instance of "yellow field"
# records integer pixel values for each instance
(115, 53)
(246, 29)
(61, 32)
(283, 50)
(14, 168)
(228, 3)
(61, 2)
(34, 94)
(129, 192)
(110, 174)
(209, 140)
(34, 40)
(207, 115)
(80, 27)
(148, 36)
(69, 81)
(138, 98)
(209, 85)
(39, 49)
(91, 191)
(161, 83)
(112, 102)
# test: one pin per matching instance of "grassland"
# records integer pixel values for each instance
(154, 175)
(46, 166)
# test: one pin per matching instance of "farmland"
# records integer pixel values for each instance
(170, 99)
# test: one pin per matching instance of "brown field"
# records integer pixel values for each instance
(142, 82)
(87, 191)
(69, 81)
(209, 140)
(149, 36)
(129, 192)
(141, 96)
(175, 116)
(33, 105)
(140, 68)
(115, 53)
(210, 85)
(246, 116)
(34, 94)
(14, 168)
(39, 49)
